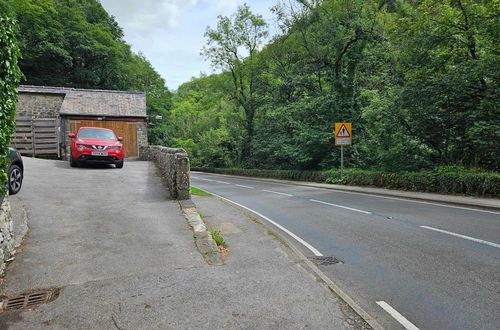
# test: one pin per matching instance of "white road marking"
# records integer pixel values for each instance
(300, 240)
(276, 192)
(462, 236)
(209, 180)
(242, 186)
(344, 207)
(395, 314)
(223, 182)
(409, 200)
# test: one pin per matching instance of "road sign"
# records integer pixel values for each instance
(343, 134)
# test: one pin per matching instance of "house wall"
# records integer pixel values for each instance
(39, 105)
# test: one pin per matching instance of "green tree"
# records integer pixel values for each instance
(233, 46)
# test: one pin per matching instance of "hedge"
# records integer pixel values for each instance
(444, 180)
(10, 76)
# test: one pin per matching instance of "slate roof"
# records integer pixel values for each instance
(95, 102)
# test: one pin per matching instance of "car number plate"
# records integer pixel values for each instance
(99, 153)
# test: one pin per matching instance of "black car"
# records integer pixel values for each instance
(15, 171)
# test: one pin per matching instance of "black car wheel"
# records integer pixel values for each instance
(119, 164)
(73, 162)
(15, 179)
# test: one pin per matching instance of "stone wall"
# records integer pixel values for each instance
(174, 167)
(142, 135)
(39, 105)
(6, 234)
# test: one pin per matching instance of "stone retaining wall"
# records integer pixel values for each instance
(6, 233)
(174, 167)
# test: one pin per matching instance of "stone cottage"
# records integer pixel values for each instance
(45, 116)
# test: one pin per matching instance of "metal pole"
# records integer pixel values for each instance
(341, 161)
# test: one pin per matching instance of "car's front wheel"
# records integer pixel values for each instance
(72, 162)
(119, 164)
(15, 174)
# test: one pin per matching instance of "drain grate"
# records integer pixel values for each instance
(325, 260)
(28, 300)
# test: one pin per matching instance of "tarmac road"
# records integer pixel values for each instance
(412, 264)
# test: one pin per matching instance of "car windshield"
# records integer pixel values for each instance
(91, 133)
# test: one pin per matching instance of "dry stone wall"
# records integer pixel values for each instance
(6, 233)
(174, 167)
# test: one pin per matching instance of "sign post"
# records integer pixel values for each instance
(343, 137)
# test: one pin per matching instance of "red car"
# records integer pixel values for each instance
(95, 144)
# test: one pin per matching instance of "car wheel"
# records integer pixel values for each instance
(72, 162)
(119, 164)
(15, 179)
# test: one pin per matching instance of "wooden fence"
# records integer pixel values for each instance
(36, 136)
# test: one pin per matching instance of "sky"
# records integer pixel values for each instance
(170, 33)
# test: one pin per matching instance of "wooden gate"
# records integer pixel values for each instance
(121, 128)
(36, 136)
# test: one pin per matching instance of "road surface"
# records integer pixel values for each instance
(412, 264)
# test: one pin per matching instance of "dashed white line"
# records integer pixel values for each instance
(300, 240)
(409, 200)
(206, 180)
(242, 186)
(341, 206)
(462, 236)
(277, 192)
(395, 314)
(223, 182)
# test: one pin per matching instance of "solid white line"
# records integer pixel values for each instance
(395, 314)
(276, 192)
(223, 182)
(242, 186)
(300, 240)
(409, 200)
(344, 207)
(462, 236)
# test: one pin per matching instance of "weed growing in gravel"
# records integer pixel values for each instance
(219, 240)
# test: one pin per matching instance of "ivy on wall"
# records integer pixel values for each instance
(10, 75)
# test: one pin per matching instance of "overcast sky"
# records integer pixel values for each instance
(170, 33)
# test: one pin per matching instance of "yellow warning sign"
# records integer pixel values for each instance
(343, 134)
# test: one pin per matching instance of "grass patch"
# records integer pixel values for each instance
(277, 237)
(199, 192)
(254, 219)
(219, 240)
(202, 216)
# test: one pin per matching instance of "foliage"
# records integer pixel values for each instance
(10, 76)
(233, 46)
(418, 80)
(73, 43)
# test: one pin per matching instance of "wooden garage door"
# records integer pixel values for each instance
(121, 128)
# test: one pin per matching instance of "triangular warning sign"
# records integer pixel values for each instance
(343, 132)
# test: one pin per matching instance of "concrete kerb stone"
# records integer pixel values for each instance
(203, 241)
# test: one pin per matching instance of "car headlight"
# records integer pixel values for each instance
(117, 149)
(80, 147)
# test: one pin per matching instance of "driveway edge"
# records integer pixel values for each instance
(322, 277)
(490, 203)
(202, 239)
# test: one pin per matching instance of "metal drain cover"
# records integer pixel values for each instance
(28, 300)
(325, 260)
